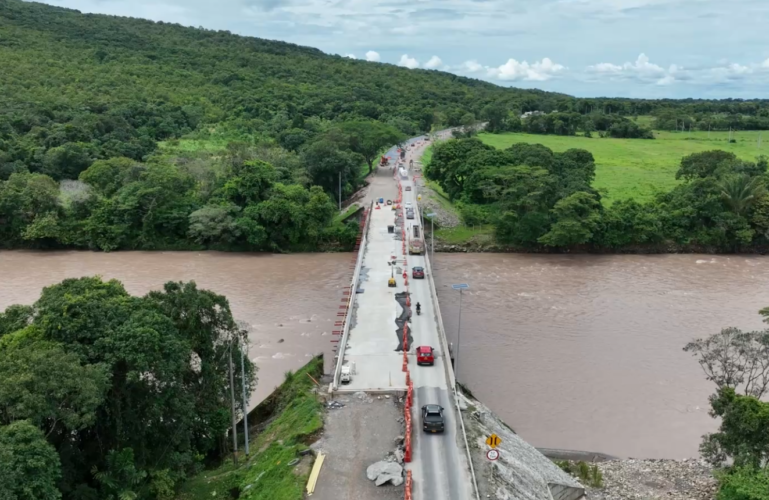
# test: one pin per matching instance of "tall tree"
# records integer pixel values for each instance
(29, 466)
(368, 139)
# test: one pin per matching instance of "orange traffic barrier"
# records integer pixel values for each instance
(409, 486)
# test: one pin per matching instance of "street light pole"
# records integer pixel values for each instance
(459, 341)
(460, 287)
(245, 398)
(232, 400)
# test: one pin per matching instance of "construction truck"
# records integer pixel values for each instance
(416, 243)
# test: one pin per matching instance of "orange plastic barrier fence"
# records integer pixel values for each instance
(409, 486)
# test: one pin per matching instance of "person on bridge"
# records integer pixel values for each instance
(419, 308)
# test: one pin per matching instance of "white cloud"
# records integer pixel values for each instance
(350, 56)
(433, 63)
(606, 68)
(666, 80)
(372, 56)
(539, 71)
(408, 62)
(470, 67)
(765, 64)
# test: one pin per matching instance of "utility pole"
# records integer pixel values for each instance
(234, 423)
(340, 191)
(459, 337)
(245, 398)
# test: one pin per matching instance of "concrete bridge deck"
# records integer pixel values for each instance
(440, 465)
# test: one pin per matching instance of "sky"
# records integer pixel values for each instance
(586, 48)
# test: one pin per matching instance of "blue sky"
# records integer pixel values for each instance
(625, 48)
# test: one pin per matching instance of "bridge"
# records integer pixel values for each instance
(380, 324)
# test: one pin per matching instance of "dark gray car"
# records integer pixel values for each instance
(432, 418)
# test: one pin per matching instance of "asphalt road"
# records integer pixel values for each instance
(439, 465)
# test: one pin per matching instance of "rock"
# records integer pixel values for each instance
(389, 470)
(385, 478)
(281, 340)
(399, 440)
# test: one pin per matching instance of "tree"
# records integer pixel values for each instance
(67, 161)
(742, 437)
(215, 224)
(495, 115)
(733, 359)
(15, 318)
(53, 389)
(576, 220)
(326, 162)
(705, 164)
(740, 191)
(29, 466)
(369, 138)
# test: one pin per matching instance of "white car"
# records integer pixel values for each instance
(407, 205)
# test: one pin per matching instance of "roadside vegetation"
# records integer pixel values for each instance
(104, 395)
(627, 168)
(540, 200)
(282, 427)
(737, 363)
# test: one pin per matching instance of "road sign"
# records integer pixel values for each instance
(461, 286)
(493, 441)
(492, 454)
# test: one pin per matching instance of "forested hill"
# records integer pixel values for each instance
(58, 63)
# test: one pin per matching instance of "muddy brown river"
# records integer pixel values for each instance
(574, 352)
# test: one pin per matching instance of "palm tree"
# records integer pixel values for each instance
(741, 191)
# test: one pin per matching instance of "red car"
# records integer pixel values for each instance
(418, 273)
(425, 355)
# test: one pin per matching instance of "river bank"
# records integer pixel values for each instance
(282, 427)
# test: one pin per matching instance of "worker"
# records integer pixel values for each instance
(419, 308)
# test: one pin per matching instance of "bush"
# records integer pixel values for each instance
(745, 483)
(473, 215)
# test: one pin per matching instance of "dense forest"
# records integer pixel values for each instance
(540, 200)
(93, 108)
(104, 395)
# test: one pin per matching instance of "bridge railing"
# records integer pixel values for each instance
(351, 302)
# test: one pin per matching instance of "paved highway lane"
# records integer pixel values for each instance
(439, 464)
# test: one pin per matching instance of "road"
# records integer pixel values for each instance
(439, 461)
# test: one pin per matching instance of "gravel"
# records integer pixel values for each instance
(360, 429)
(652, 479)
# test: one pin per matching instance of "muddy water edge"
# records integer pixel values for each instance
(575, 352)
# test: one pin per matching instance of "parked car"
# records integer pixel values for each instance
(425, 355)
(410, 214)
(432, 418)
(408, 206)
(408, 188)
(418, 272)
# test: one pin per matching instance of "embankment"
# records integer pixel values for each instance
(281, 428)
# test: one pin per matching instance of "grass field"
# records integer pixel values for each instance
(637, 168)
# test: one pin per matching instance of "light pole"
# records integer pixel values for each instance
(460, 287)
(432, 235)
(245, 398)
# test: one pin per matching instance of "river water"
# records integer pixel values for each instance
(575, 352)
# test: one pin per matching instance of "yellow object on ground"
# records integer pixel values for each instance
(313, 481)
